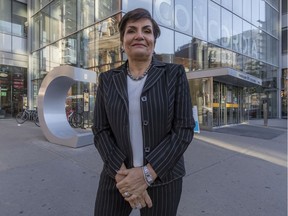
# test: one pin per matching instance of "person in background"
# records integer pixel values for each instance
(143, 123)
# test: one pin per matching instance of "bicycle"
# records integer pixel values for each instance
(27, 114)
(75, 119)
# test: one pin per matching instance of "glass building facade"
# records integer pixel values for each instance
(230, 49)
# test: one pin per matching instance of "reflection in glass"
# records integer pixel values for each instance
(5, 17)
(226, 58)
(86, 14)
(128, 5)
(237, 34)
(200, 54)
(183, 16)
(237, 7)
(247, 12)
(214, 56)
(247, 38)
(200, 19)
(69, 17)
(227, 4)
(214, 23)
(19, 17)
(183, 51)
(165, 45)
(226, 29)
(237, 61)
(55, 20)
(256, 12)
(163, 13)
(105, 8)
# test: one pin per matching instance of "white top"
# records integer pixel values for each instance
(136, 136)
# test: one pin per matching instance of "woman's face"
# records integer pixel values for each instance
(138, 40)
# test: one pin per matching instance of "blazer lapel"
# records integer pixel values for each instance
(120, 82)
(156, 71)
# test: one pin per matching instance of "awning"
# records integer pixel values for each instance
(228, 76)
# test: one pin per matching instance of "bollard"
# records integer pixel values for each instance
(265, 114)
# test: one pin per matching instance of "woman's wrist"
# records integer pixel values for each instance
(149, 174)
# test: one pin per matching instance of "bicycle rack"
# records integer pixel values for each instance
(51, 106)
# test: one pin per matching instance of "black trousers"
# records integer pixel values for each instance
(109, 202)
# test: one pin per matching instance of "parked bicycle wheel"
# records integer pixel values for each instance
(21, 117)
(77, 120)
(36, 120)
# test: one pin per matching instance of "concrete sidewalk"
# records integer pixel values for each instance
(239, 170)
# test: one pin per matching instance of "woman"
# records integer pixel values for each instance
(143, 124)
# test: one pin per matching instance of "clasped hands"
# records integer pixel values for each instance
(132, 186)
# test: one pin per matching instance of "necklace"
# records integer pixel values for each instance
(140, 77)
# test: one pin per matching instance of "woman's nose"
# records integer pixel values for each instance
(139, 36)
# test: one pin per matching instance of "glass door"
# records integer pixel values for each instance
(219, 104)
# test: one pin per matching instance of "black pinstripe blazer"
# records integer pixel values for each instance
(167, 118)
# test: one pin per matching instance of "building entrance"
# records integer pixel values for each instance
(228, 106)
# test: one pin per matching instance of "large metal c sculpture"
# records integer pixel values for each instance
(51, 106)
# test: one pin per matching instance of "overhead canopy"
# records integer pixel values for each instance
(228, 76)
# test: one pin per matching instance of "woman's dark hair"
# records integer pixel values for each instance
(134, 15)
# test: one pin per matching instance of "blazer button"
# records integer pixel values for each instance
(144, 98)
(147, 149)
(145, 122)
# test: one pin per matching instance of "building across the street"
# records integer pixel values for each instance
(233, 51)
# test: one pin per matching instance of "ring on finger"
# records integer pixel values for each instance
(126, 194)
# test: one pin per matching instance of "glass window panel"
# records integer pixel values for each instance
(35, 32)
(275, 23)
(200, 54)
(269, 24)
(237, 7)
(5, 42)
(108, 54)
(35, 65)
(256, 12)
(247, 12)
(217, 1)
(227, 4)
(226, 58)
(262, 45)
(262, 15)
(86, 14)
(163, 12)
(214, 56)
(247, 38)
(5, 16)
(200, 19)
(226, 29)
(132, 4)
(164, 48)
(285, 41)
(87, 47)
(272, 50)
(255, 42)
(238, 61)
(19, 45)
(284, 7)
(105, 8)
(247, 64)
(19, 18)
(237, 34)
(55, 20)
(69, 17)
(183, 16)
(275, 3)
(214, 23)
(69, 50)
(183, 51)
(55, 55)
